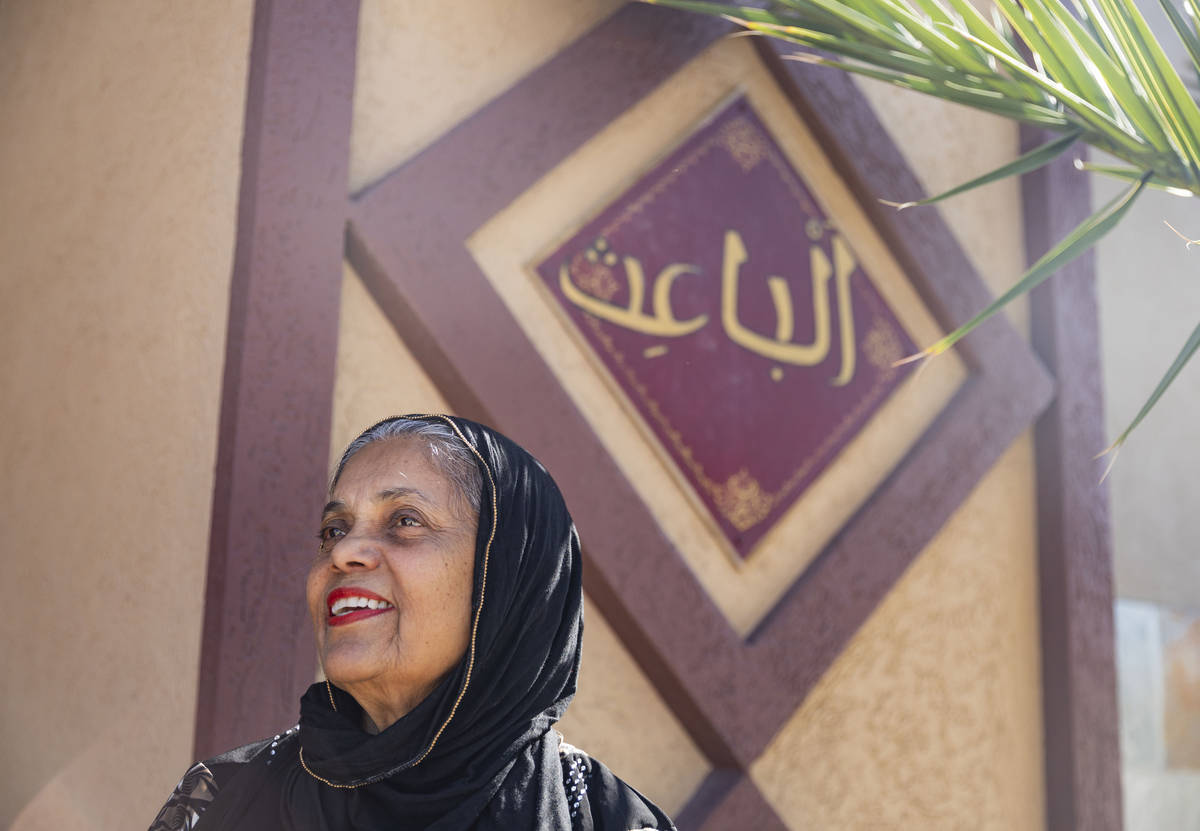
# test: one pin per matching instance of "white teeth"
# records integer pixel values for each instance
(346, 604)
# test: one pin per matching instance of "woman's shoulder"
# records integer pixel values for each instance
(204, 780)
(601, 801)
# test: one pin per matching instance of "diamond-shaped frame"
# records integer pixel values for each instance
(680, 385)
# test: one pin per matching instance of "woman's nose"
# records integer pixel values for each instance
(356, 552)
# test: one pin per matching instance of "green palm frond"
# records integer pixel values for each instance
(1087, 234)
(1090, 70)
(1034, 159)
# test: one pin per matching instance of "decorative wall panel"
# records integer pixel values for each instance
(752, 381)
(509, 246)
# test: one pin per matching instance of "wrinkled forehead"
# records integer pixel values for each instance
(401, 466)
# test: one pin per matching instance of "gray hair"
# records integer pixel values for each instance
(447, 451)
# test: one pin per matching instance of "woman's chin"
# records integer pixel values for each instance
(349, 664)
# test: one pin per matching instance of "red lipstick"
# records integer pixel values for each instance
(350, 615)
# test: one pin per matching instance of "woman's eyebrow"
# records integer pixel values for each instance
(383, 496)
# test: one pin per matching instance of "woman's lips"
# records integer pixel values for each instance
(354, 604)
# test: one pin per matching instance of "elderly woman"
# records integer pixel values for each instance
(446, 600)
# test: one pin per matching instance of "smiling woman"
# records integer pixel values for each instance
(448, 613)
(390, 592)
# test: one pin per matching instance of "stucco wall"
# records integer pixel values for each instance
(467, 51)
(119, 156)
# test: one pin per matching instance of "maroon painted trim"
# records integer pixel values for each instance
(1079, 699)
(408, 232)
(256, 655)
(460, 398)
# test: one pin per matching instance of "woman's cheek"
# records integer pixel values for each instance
(314, 595)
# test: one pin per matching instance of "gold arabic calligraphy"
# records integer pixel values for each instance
(662, 322)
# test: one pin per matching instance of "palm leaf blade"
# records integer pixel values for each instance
(1038, 157)
(1132, 174)
(976, 24)
(979, 99)
(1185, 355)
(915, 65)
(1150, 66)
(1100, 121)
(1114, 77)
(1187, 34)
(1075, 243)
(1025, 29)
(1063, 42)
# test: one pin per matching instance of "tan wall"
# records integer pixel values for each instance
(119, 156)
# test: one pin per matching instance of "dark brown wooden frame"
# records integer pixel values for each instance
(406, 240)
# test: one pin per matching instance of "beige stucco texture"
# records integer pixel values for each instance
(930, 718)
(423, 67)
(120, 162)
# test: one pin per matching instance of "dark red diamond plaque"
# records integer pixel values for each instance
(736, 319)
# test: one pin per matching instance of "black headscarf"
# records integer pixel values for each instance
(478, 752)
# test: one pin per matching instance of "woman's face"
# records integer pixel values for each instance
(390, 592)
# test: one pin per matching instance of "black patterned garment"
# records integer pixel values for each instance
(198, 788)
(479, 753)
(196, 791)
(187, 802)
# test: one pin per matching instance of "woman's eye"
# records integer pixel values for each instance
(330, 533)
(408, 521)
